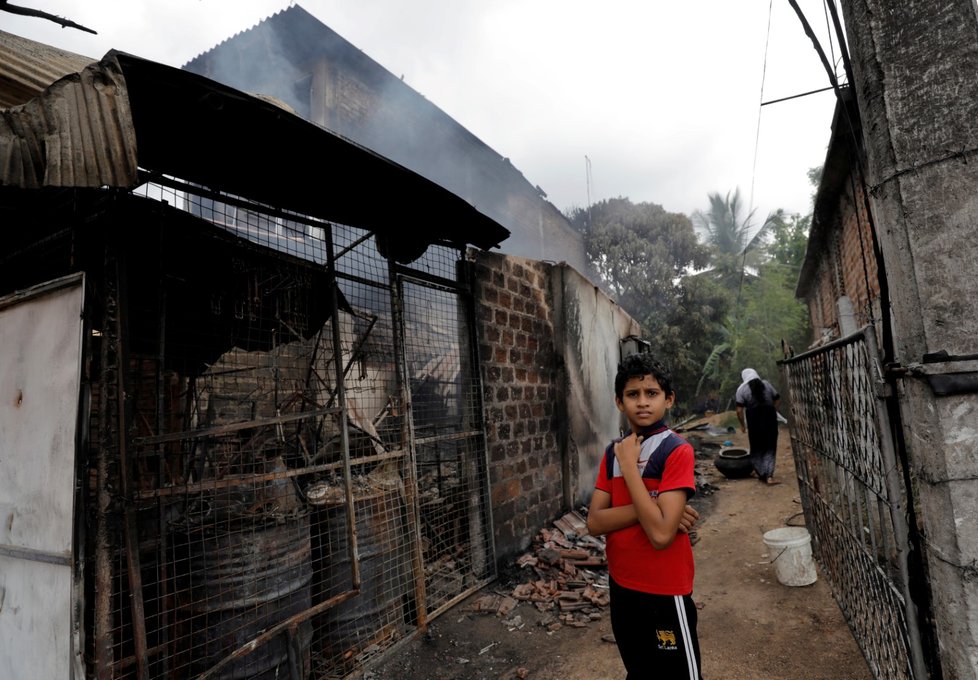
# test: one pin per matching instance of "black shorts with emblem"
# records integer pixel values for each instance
(655, 634)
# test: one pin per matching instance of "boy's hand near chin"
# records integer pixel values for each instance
(628, 450)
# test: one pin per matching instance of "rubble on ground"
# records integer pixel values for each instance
(564, 574)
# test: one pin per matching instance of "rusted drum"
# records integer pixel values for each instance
(376, 616)
(242, 582)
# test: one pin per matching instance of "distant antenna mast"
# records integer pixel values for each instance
(588, 180)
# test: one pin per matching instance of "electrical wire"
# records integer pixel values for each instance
(757, 140)
(828, 30)
(757, 134)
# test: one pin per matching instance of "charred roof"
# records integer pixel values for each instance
(121, 121)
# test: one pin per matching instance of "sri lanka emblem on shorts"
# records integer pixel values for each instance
(667, 639)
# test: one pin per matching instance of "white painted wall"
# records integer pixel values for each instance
(40, 359)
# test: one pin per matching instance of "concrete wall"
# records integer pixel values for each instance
(589, 329)
(914, 64)
(548, 341)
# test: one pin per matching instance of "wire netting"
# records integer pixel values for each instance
(853, 496)
(287, 459)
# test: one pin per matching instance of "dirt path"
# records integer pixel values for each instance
(751, 626)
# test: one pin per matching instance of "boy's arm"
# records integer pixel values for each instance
(660, 517)
(603, 519)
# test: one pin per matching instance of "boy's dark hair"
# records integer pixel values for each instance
(639, 365)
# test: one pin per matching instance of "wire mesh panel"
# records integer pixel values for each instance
(450, 449)
(255, 491)
(854, 498)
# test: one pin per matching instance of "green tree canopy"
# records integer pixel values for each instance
(789, 240)
(643, 255)
(640, 252)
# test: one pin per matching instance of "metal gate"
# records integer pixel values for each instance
(286, 473)
(854, 497)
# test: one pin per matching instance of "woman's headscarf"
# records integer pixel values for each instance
(748, 374)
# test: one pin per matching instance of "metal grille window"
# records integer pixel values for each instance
(287, 457)
(854, 497)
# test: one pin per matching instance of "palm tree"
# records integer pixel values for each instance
(737, 249)
(735, 243)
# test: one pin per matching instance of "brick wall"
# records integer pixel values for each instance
(847, 267)
(858, 260)
(515, 326)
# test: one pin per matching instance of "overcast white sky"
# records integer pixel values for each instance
(662, 97)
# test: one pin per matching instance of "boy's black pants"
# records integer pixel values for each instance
(656, 634)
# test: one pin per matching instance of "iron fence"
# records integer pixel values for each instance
(286, 470)
(854, 497)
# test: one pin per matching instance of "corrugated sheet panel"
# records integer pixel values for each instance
(78, 133)
(28, 67)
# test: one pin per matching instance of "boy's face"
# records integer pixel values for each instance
(643, 402)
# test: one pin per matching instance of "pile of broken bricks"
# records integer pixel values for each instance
(564, 574)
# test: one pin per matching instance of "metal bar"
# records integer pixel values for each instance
(796, 96)
(141, 442)
(428, 280)
(480, 496)
(839, 342)
(238, 480)
(161, 523)
(270, 633)
(227, 199)
(128, 661)
(351, 520)
(103, 536)
(889, 549)
(409, 443)
(454, 436)
(130, 533)
(32, 555)
(901, 529)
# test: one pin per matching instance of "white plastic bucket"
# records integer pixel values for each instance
(791, 553)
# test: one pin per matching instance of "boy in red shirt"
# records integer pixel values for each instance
(639, 501)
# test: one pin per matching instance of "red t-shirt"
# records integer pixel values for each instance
(666, 462)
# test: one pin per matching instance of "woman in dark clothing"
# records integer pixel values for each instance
(757, 410)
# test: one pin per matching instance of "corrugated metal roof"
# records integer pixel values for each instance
(101, 126)
(28, 67)
(78, 134)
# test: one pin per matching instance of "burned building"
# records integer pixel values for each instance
(296, 58)
(260, 419)
(264, 396)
